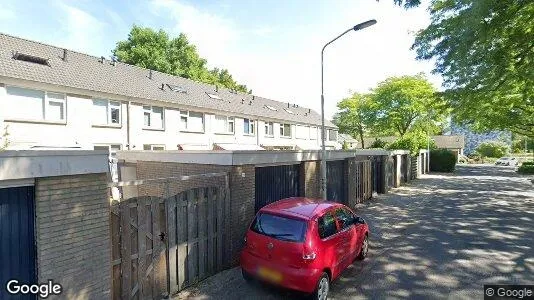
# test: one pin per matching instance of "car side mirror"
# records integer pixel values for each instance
(358, 220)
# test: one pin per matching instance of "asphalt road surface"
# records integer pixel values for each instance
(441, 236)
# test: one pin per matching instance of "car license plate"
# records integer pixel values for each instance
(270, 275)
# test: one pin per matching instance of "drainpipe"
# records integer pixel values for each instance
(258, 133)
(128, 125)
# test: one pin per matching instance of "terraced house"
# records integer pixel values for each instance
(56, 98)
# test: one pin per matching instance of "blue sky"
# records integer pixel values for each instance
(273, 46)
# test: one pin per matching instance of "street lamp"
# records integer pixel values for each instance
(323, 130)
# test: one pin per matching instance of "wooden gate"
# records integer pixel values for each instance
(162, 245)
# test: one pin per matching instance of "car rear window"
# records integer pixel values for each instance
(279, 227)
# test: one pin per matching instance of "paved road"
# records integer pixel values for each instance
(442, 236)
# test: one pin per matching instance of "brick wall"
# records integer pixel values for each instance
(242, 190)
(72, 224)
(310, 183)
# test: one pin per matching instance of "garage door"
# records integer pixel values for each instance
(275, 183)
(335, 178)
(17, 237)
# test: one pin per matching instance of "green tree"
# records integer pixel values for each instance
(413, 141)
(493, 149)
(406, 103)
(155, 50)
(355, 115)
(484, 50)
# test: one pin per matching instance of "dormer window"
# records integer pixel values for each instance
(31, 58)
(289, 111)
(271, 107)
(177, 89)
(214, 96)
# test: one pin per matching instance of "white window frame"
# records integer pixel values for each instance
(150, 109)
(185, 114)
(303, 127)
(152, 146)
(329, 135)
(267, 126)
(109, 104)
(251, 127)
(109, 146)
(227, 121)
(313, 129)
(283, 132)
(44, 106)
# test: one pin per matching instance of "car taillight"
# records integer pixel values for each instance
(309, 256)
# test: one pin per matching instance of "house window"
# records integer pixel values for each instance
(106, 112)
(269, 129)
(152, 147)
(285, 130)
(302, 132)
(313, 132)
(111, 148)
(332, 135)
(153, 117)
(224, 124)
(28, 104)
(191, 121)
(248, 126)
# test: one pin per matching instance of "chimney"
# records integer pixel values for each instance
(253, 97)
(150, 74)
(102, 59)
(163, 86)
(64, 58)
(294, 105)
(288, 105)
(309, 110)
(250, 103)
(113, 61)
(242, 101)
(216, 88)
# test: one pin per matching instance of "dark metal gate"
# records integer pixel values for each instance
(376, 169)
(336, 189)
(17, 238)
(275, 183)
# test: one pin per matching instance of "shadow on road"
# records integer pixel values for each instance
(442, 236)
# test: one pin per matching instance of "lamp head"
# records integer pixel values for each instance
(364, 25)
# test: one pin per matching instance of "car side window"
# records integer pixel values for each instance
(344, 217)
(327, 225)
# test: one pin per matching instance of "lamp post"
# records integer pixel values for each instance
(323, 130)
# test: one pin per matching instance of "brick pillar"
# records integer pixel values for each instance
(241, 209)
(310, 181)
(73, 234)
(350, 177)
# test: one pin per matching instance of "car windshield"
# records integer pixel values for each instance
(505, 158)
(279, 227)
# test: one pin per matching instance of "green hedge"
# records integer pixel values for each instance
(442, 160)
(528, 163)
(526, 169)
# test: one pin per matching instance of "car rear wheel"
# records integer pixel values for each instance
(365, 248)
(322, 289)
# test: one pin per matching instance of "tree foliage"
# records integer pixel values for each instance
(413, 141)
(484, 50)
(404, 103)
(442, 160)
(378, 143)
(493, 149)
(155, 50)
(355, 115)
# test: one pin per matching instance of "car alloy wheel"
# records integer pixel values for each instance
(323, 287)
(365, 248)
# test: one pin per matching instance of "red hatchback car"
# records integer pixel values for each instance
(303, 244)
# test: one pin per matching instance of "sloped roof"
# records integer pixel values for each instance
(87, 72)
(347, 137)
